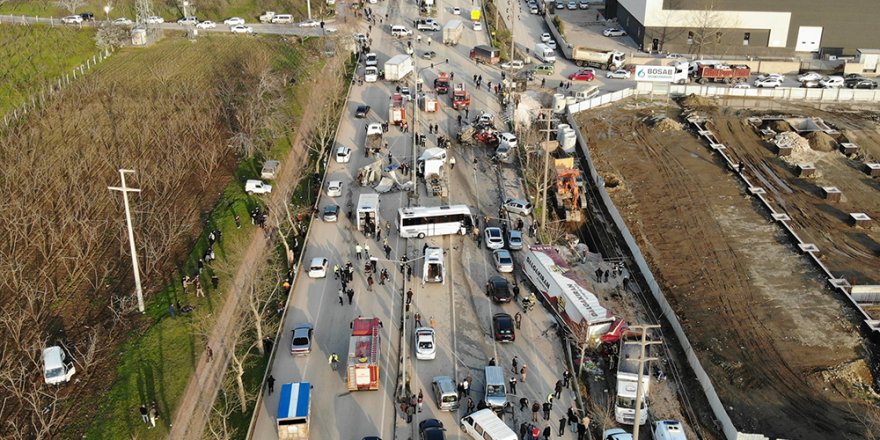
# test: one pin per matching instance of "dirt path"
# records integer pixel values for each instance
(194, 409)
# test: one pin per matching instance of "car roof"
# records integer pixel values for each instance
(514, 233)
(318, 261)
(304, 327)
(502, 317)
(493, 231)
(497, 280)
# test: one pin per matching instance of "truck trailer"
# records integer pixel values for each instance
(398, 67)
(601, 59)
(726, 73)
(363, 355)
(628, 382)
(452, 32)
(292, 420)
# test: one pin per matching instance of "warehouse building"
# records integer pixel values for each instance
(803, 28)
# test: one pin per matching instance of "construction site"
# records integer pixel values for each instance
(760, 227)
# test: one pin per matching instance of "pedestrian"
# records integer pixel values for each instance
(492, 362)
(201, 265)
(410, 410)
(370, 283)
(523, 403)
(144, 413)
(582, 431)
(558, 389)
(358, 250)
(154, 414)
(515, 291)
(475, 78)
(172, 311)
(512, 383)
(209, 353)
(215, 282)
(518, 320)
(431, 321)
(350, 294)
(378, 234)
(420, 400)
(480, 78)
(550, 399)
(459, 119)
(466, 111)
(572, 419)
(387, 252)
(335, 271)
(523, 430)
(547, 407)
(452, 163)
(470, 405)
(452, 76)
(535, 408)
(535, 433)
(606, 275)
(566, 378)
(237, 222)
(543, 82)
(270, 384)
(409, 295)
(467, 387)
(547, 432)
(523, 372)
(514, 363)
(199, 291)
(418, 319)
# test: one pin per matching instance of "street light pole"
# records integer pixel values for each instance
(134, 259)
(309, 8)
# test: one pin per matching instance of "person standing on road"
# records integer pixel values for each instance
(335, 271)
(514, 363)
(154, 414)
(523, 403)
(358, 250)
(452, 163)
(512, 383)
(339, 294)
(523, 372)
(535, 408)
(566, 378)
(517, 319)
(558, 389)
(409, 295)
(366, 251)
(270, 384)
(370, 283)
(470, 405)
(547, 432)
(418, 319)
(547, 407)
(350, 293)
(572, 419)
(144, 414)
(209, 353)
(421, 400)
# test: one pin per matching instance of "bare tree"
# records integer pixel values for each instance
(70, 5)
(224, 407)
(710, 26)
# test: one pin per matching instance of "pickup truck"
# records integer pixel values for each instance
(253, 186)
(427, 24)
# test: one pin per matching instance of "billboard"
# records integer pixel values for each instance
(655, 73)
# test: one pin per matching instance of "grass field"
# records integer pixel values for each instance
(35, 56)
(216, 10)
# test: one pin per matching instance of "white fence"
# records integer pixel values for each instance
(785, 93)
(601, 100)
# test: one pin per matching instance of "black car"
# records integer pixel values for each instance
(498, 289)
(331, 213)
(87, 16)
(362, 111)
(429, 55)
(860, 83)
(502, 325)
(431, 429)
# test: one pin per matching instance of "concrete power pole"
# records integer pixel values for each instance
(548, 113)
(643, 343)
(134, 259)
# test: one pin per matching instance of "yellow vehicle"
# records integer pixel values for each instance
(475, 14)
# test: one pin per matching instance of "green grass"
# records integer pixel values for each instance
(36, 56)
(158, 364)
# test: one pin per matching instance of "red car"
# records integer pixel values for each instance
(583, 75)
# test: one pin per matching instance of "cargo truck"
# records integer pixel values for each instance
(363, 355)
(460, 97)
(293, 411)
(628, 383)
(452, 32)
(598, 58)
(398, 67)
(397, 109)
(434, 271)
(726, 73)
(373, 139)
(429, 102)
(441, 84)
(367, 210)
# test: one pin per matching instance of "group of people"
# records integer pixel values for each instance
(149, 415)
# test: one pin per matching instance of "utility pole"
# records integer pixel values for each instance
(642, 360)
(134, 260)
(548, 114)
(309, 8)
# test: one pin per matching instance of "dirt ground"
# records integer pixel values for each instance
(768, 332)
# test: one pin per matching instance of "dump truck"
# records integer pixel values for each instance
(363, 355)
(292, 420)
(628, 382)
(461, 99)
(429, 102)
(726, 73)
(452, 32)
(441, 84)
(601, 59)
(568, 191)
(397, 109)
(398, 67)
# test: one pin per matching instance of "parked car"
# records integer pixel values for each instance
(478, 25)
(514, 240)
(72, 19)
(768, 82)
(810, 84)
(583, 4)
(424, 344)
(616, 434)
(583, 75)
(559, 5)
(371, 59)
(551, 44)
(360, 38)
(778, 76)
(456, 11)
(503, 260)
(545, 37)
(331, 213)
(544, 69)
(234, 21)
(860, 83)
(343, 155)
(122, 21)
(254, 186)
(301, 339)
(191, 20)
(362, 111)
(518, 206)
(429, 55)
(310, 23)
(513, 65)
(503, 327)
(832, 82)
(406, 93)
(318, 267)
(207, 24)
(533, 8)
(498, 289)
(494, 239)
(334, 188)
(507, 138)
(445, 393)
(614, 32)
(56, 368)
(87, 16)
(809, 76)
(572, 5)
(155, 19)
(618, 74)
(431, 429)
(241, 29)
(741, 86)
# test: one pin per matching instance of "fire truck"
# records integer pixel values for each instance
(460, 97)
(441, 84)
(397, 109)
(363, 355)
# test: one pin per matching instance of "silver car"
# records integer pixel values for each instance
(503, 260)
(518, 206)
(301, 339)
(514, 240)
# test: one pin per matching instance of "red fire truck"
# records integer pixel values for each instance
(363, 355)
(397, 109)
(460, 97)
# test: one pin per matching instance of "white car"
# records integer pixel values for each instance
(809, 76)
(406, 93)
(616, 434)
(192, 20)
(778, 76)
(234, 21)
(572, 5)
(514, 65)
(618, 74)
(122, 21)
(533, 8)
(503, 260)
(155, 19)
(371, 59)
(310, 23)
(545, 37)
(518, 206)
(509, 139)
(832, 82)
(426, 348)
(614, 32)
(254, 186)
(360, 38)
(56, 370)
(494, 239)
(741, 86)
(456, 11)
(768, 83)
(241, 29)
(552, 44)
(334, 188)
(478, 25)
(318, 267)
(343, 155)
(330, 30)
(72, 19)
(207, 24)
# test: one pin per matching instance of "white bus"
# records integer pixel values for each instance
(422, 222)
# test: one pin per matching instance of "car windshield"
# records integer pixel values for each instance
(300, 341)
(495, 391)
(504, 259)
(54, 372)
(425, 345)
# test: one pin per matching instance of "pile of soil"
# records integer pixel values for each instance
(793, 140)
(779, 126)
(696, 101)
(820, 141)
(664, 124)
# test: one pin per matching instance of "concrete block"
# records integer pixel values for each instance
(848, 148)
(781, 150)
(806, 170)
(872, 169)
(859, 219)
(831, 193)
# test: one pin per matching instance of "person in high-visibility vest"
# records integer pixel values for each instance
(334, 359)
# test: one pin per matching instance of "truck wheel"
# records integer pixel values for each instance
(421, 235)
(250, 193)
(580, 63)
(726, 80)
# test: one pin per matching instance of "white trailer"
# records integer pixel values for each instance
(452, 32)
(627, 385)
(434, 270)
(398, 67)
(367, 210)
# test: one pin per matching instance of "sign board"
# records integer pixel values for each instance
(655, 73)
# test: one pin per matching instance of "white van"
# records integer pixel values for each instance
(585, 94)
(669, 430)
(485, 425)
(496, 387)
(55, 370)
(282, 18)
(400, 31)
(545, 53)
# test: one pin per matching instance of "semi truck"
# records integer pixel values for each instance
(363, 355)
(367, 210)
(397, 109)
(292, 420)
(398, 67)
(628, 384)
(726, 73)
(434, 270)
(441, 84)
(461, 99)
(601, 59)
(452, 32)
